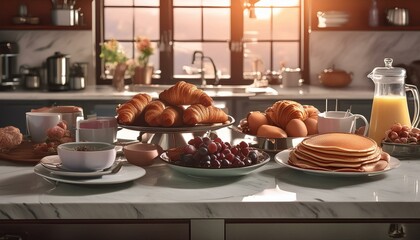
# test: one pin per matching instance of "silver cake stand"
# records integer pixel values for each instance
(170, 137)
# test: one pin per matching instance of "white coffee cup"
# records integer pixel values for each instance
(340, 121)
(38, 123)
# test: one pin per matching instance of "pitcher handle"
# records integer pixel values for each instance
(413, 89)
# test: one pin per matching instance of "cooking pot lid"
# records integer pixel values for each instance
(59, 55)
(388, 71)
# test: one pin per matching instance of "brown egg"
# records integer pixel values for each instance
(312, 126)
(296, 128)
(255, 120)
(270, 131)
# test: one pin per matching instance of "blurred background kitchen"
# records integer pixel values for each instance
(243, 38)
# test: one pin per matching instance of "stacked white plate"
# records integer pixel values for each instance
(332, 19)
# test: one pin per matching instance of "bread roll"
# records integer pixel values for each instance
(270, 131)
(255, 120)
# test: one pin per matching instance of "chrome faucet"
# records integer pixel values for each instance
(203, 79)
(202, 58)
(216, 75)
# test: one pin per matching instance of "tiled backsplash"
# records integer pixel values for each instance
(36, 46)
(360, 52)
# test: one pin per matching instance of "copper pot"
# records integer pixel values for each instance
(335, 78)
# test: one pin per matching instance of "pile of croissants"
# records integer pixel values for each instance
(183, 104)
(284, 118)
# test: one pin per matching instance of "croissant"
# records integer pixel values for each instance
(152, 113)
(311, 111)
(198, 113)
(183, 93)
(172, 116)
(281, 112)
(129, 112)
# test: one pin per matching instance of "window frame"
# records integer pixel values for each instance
(166, 58)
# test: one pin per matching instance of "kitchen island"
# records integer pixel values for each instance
(271, 203)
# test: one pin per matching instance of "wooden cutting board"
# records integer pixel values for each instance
(23, 153)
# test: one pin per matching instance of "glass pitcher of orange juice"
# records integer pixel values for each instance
(389, 101)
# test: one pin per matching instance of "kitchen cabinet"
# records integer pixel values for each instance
(326, 231)
(358, 11)
(99, 229)
(42, 10)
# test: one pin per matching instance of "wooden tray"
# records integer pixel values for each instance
(23, 153)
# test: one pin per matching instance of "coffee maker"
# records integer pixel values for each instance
(9, 77)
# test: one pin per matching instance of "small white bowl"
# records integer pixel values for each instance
(86, 156)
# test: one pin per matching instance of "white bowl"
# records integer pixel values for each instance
(86, 156)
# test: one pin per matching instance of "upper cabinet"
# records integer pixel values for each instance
(358, 14)
(39, 15)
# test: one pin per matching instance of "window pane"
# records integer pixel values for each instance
(183, 53)
(118, 3)
(119, 23)
(216, 24)
(287, 54)
(187, 28)
(146, 2)
(146, 22)
(224, 3)
(187, 3)
(286, 24)
(278, 3)
(256, 51)
(258, 27)
(127, 47)
(219, 52)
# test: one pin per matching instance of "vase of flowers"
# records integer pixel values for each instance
(116, 60)
(143, 71)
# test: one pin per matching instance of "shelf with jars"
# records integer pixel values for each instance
(46, 15)
(364, 15)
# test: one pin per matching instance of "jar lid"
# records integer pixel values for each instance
(388, 71)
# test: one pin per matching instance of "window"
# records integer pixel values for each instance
(241, 36)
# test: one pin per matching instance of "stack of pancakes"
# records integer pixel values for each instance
(339, 152)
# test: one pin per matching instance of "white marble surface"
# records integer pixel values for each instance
(107, 93)
(36, 46)
(272, 192)
(359, 52)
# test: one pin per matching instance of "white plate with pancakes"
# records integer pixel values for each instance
(338, 154)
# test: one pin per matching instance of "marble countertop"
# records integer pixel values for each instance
(103, 92)
(272, 192)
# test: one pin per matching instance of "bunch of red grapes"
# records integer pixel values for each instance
(399, 133)
(204, 152)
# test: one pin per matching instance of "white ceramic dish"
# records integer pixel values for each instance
(86, 156)
(215, 172)
(196, 128)
(402, 151)
(283, 157)
(53, 164)
(127, 173)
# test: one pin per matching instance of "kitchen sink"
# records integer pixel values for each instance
(219, 90)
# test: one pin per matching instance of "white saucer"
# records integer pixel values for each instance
(53, 164)
(127, 173)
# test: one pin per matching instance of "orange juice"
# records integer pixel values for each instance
(387, 110)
